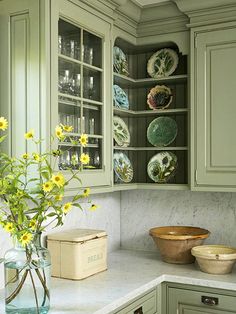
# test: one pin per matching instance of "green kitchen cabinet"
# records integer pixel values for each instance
(213, 120)
(188, 299)
(55, 61)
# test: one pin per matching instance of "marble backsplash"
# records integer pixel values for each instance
(106, 217)
(142, 210)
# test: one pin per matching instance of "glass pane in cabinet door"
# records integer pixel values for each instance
(92, 84)
(69, 78)
(92, 49)
(94, 150)
(69, 40)
(92, 121)
(69, 112)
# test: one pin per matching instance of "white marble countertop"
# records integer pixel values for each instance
(129, 274)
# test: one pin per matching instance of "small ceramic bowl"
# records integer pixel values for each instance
(215, 259)
(175, 242)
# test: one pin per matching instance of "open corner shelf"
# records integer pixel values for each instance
(138, 117)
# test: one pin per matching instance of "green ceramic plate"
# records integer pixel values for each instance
(162, 131)
(162, 167)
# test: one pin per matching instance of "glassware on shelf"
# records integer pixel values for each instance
(78, 125)
(88, 55)
(92, 129)
(65, 83)
(75, 160)
(91, 87)
(77, 84)
(70, 120)
(64, 161)
(96, 159)
(60, 44)
(83, 125)
(62, 118)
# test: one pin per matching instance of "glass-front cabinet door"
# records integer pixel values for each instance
(81, 91)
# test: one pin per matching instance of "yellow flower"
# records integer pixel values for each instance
(83, 140)
(33, 224)
(48, 186)
(29, 135)
(25, 156)
(66, 207)
(84, 159)
(58, 179)
(3, 123)
(86, 192)
(26, 238)
(36, 157)
(67, 128)
(93, 207)
(9, 227)
(58, 131)
(59, 197)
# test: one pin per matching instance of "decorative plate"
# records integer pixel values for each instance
(162, 131)
(122, 167)
(162, 167)
(120, 98)
(159, 97)
(120, 132)
(162, 63)
(120, 63)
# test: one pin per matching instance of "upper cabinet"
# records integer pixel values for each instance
(214, 112)
(81, 94)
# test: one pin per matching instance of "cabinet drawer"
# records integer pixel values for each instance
(146, 304)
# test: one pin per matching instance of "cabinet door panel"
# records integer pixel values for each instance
(215, 108)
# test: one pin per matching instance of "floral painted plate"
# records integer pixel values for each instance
(159, 97)
(162, 131)
(122, 167)
(120, 64)
(162, 167)
(120, 132)
(162, 63)
(120, 98)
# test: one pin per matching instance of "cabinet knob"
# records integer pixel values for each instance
(139, 310)
(209, 300)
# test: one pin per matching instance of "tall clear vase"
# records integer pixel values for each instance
(27, 278)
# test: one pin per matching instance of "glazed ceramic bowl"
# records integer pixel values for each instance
(175, 242)
(215, 259)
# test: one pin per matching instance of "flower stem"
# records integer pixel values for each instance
(18, 289)
(35, 293)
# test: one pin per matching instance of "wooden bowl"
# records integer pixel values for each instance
(175, 242)
(215, 259)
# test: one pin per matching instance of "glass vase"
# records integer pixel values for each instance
(27, 278)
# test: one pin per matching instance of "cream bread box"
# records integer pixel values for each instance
(78, 253)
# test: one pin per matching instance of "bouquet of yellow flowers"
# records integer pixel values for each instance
(32, 197)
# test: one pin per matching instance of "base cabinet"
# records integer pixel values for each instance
(145, 304)
(186, 299)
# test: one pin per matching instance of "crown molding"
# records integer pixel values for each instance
(205, 12)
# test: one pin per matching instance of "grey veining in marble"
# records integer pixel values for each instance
(142, 210)
(106, 217)
(129, 274)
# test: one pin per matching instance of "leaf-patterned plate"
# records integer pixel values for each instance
(162, 63)
(121, 133)
(159, 97)
(162, 131)
(122, 167)
(120, 98)
(120, 63)
(162, 167)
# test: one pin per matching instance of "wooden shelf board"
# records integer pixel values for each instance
(75, 61)
(166, 148)
(143, 113)
(130, 82)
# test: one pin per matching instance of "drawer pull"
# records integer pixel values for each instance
(139, 310)
(209, 300)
